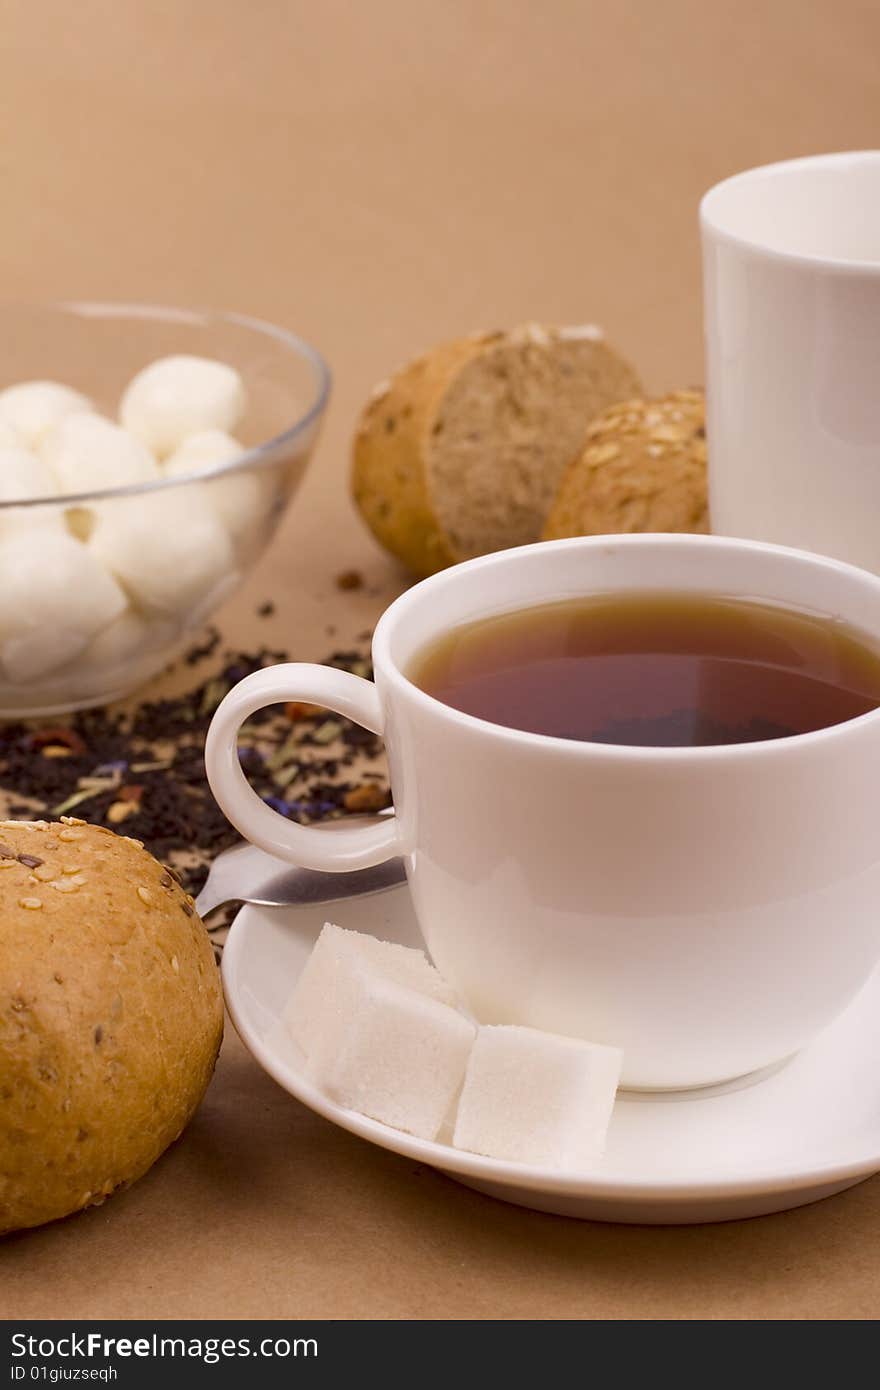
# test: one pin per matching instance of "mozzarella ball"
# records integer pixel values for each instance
(178, 396)
(243, 504)
(56, 596)
(23, 476)
(167, 549)
(213, 599)
(202, 450)
(127, 637)
(33, 521)
(32, 408)
(86, 453)
(35, 654)
(9, 435)
(242, 501)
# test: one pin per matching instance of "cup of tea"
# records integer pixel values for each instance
(791, 260)
(636, 788)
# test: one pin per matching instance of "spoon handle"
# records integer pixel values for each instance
(246, 873)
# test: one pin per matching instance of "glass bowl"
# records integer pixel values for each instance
(176, 547)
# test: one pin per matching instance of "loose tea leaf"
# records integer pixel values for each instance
(143, 772)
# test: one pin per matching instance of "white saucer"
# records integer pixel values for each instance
(805, 1130)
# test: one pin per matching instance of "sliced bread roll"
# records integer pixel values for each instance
(461, 453)
(643, 468)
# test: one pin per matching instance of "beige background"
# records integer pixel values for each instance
(379, 176)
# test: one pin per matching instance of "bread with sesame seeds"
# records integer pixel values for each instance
(643, 468)
(111, 1016)
(462, 451)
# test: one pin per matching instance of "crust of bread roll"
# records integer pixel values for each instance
(643, 469)
(111, 1016)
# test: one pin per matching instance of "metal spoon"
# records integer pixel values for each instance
(247, 874)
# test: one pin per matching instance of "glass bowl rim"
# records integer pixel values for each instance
(258, 456)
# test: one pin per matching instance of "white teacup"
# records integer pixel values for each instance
(707, 909)
(791, 256)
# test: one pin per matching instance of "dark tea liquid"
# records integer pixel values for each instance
(654, 669)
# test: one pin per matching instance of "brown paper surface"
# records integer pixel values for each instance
(379, 177)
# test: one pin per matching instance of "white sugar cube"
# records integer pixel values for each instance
(178, 396)
(398, 1056)
(32, 408)
(538, 1098)
(85, 453)
(241, 501)
(314, 1004)
(167, 549)
(56, 596)
(379, 1032)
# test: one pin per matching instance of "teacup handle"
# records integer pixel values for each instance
(310, 848)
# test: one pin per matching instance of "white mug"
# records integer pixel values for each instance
(791, 259)
(707, 909)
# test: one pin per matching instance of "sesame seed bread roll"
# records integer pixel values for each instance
(462, 451)
(643, 469)
(111, 1016)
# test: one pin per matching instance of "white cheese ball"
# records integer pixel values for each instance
(178, 396)
(33, 521)
(32, 408)
(23, 476)
(9, 435)
(56, 596)
(202, 450)
(126, 638)
(167, 549)
(242, 501)
(213, 599)
(86, 453)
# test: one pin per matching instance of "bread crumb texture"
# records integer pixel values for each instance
(643, 469)
(111, 1016)
(462, 452)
